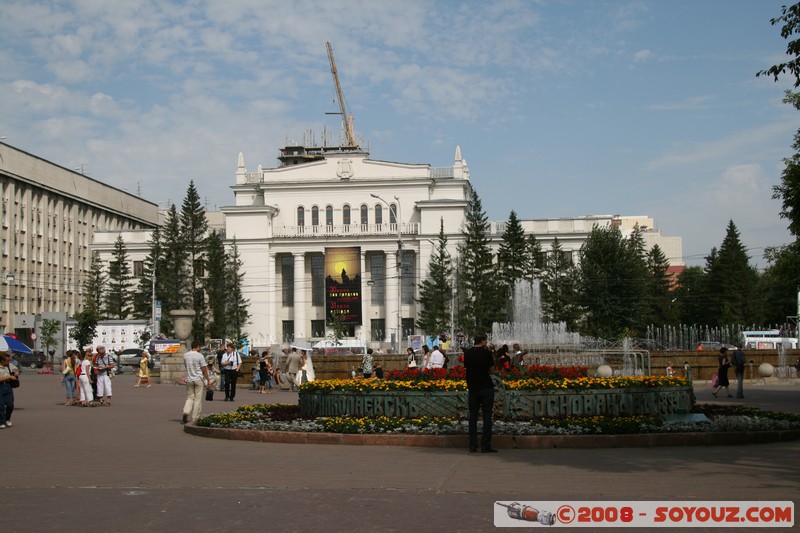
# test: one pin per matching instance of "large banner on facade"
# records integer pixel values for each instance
(343, 284)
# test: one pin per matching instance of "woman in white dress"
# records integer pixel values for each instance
(307, 370)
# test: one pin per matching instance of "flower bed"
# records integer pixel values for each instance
(288, 418)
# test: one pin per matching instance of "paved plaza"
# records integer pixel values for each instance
(130, 467)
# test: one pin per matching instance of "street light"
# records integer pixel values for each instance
(452, 291)
(399, 265)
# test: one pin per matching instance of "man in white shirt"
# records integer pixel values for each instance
(437, 358)
(231, 362)
(196, 379)
(103, 363)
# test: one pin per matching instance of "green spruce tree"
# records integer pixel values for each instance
(560, 288)
(215, 285)
(480, 307)
(514, 259)
(194, 229)
(172, 286)
(117, 297)
(237, 305)
(435, 292)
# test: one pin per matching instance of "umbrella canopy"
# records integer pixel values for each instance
(301, 345)
(10, 343)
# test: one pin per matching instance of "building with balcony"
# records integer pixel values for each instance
(319, 202)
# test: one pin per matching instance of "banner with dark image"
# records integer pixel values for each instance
(343, 284)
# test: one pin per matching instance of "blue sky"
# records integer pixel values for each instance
(561, 108)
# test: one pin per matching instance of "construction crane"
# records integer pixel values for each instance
(347, 120)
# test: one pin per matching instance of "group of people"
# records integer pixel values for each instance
(87, 377)
(736, 360)
(434, 358)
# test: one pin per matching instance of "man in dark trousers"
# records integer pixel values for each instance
(479, 364)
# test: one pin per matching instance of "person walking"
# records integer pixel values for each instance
(8, 375)
(231, 363)
(144, 368)
(426, 357)
(411, 362)
(738, 361)
(196, 380)
(263, 372)
(292, 367)
(479, 364)
(306, 371)
(103, 364)
(722, 372)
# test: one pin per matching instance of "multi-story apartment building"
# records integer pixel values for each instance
(48, 221)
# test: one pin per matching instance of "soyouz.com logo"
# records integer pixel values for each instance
(644, 514)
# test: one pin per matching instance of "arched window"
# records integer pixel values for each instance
(301, 216)
(346, 215)
(329, 215)
(364, 214)
(315, 216)
(393, 214)
(378, 214)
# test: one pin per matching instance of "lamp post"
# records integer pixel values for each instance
(452, 291)
(399, 265)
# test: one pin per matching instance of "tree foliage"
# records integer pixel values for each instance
(513, 258)
(117, 297)
(194, 229)
(560, 284)
(790, 18)
(236, 304)
(660, 295)
(94, 285)
(480, 278)
(215, 285)
(435, 291)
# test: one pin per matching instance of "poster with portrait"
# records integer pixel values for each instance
(343, 284)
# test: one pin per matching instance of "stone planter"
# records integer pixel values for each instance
(513, 404)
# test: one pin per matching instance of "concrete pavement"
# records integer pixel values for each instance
(136, 469)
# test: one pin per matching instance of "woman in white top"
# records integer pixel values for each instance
(86, 385)
(307, 369)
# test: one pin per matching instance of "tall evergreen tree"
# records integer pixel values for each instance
(171, 286)
(94, 286)
(480, 307)
(237, 305)
(194, 227)
(513, 259)
(731, 282)
(117, 298)
(215, 285)
(660, 298)
(690, 296)
(436, 291)
(613, 284)
(535, 258)
(143, 295)
(560, 288)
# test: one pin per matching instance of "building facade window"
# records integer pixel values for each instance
(378, 214)
(346, 215)
(301, 216)
(318, 328)
(393, 214)
(377, 329)
(138, 269)
(288, 330)
(408, 327)
(315, 216)
(329, 215)
(318, 280)
(364, 214)
(377, 269)
(287, 281)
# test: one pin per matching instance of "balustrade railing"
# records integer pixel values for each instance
(342, 230)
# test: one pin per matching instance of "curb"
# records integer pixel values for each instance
(525, 442)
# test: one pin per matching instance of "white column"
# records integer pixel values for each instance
(274, 292)
(365, 323)
(300, 297)
(390, 302)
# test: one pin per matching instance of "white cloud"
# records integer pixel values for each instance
(642, 56)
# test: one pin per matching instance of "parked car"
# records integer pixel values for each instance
(34, 360)
(132, 356)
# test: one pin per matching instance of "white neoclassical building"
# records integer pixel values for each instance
(355, 211)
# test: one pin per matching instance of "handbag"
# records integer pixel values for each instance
(412, 364)
(210, 395)
(15, 382)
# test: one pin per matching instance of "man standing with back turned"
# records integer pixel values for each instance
(196, 379)
(479, 364)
